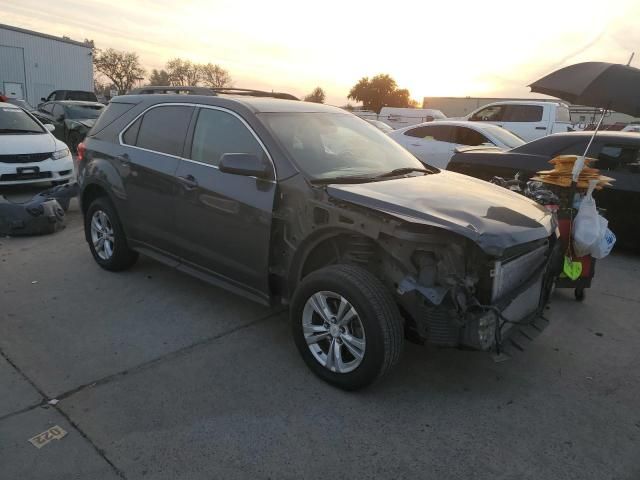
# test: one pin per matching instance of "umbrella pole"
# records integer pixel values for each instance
(579, 165)
(599, 124)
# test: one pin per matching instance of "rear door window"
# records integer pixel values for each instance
(468, 136)
(441, 133)
(619, 158)
(522, 113)
(218, 132)
(163, 129)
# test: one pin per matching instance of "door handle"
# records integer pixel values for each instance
(541, 128)
(415, 144)
(189, 182)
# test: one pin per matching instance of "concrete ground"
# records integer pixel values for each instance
(160, 376)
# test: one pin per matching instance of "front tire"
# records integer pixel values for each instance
(346, 326)
(106, 238)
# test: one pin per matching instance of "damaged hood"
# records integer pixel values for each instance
(27, 143)
(493, 217)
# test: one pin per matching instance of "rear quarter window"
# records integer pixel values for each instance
(109, 115)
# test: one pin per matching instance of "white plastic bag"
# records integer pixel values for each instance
(586, 226)
(607, 239)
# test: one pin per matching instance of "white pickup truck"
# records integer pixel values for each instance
(527, 119)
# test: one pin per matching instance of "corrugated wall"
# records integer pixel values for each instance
(48, 64)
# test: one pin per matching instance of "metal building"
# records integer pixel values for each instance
(34, 64)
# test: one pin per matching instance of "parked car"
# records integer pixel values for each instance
(29, 153)
(383, 127)
(71, 119)
(632, 127)
(20, 103)
(527, 119)
(618, 157)
(398, 117)
(81, 95)
(434, 143)
(253, 195)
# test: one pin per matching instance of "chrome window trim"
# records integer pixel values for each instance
(199, 105)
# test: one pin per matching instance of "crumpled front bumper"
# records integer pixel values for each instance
(516, 317)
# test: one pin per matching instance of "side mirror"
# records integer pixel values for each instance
(49, 127)
(43, 99)
(245, 164)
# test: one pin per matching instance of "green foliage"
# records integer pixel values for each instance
(214, 76)
(380, 91)
(122, 68)
(159, 78)
(317, 96)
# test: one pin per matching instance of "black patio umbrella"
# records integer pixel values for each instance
(609, 86)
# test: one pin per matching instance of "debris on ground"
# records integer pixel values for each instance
(54, 433)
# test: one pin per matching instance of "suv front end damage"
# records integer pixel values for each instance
(475, 300)
(465, 272)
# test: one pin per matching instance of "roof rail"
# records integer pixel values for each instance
(254, 93)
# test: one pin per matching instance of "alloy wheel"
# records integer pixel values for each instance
(333, 331)
(102, 235)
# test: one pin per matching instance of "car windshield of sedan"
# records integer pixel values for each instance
(84, 111)
(15, 121)
(331, 145)
(511, 140)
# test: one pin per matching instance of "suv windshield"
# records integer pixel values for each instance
(84, 111)
(16, 120)
(329, 145)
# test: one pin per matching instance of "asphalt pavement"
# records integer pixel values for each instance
(155, 375)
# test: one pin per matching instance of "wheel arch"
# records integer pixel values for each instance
(326, 244)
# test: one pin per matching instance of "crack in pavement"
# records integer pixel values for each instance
(619, 296)
(145, 365)
(167, 356)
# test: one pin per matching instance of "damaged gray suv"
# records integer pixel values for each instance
(295, 203)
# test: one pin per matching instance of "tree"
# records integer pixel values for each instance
(122, 68)
(183, 72)
(159, 77)
(101, 88)
(214, 76)
(380, 91)
(317, 96)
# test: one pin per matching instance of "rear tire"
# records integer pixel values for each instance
(106, 238)
(348, 348)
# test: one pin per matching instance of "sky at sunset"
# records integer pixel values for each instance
(452, 48)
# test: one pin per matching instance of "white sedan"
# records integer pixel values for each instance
(29, 153)
(434, 143)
